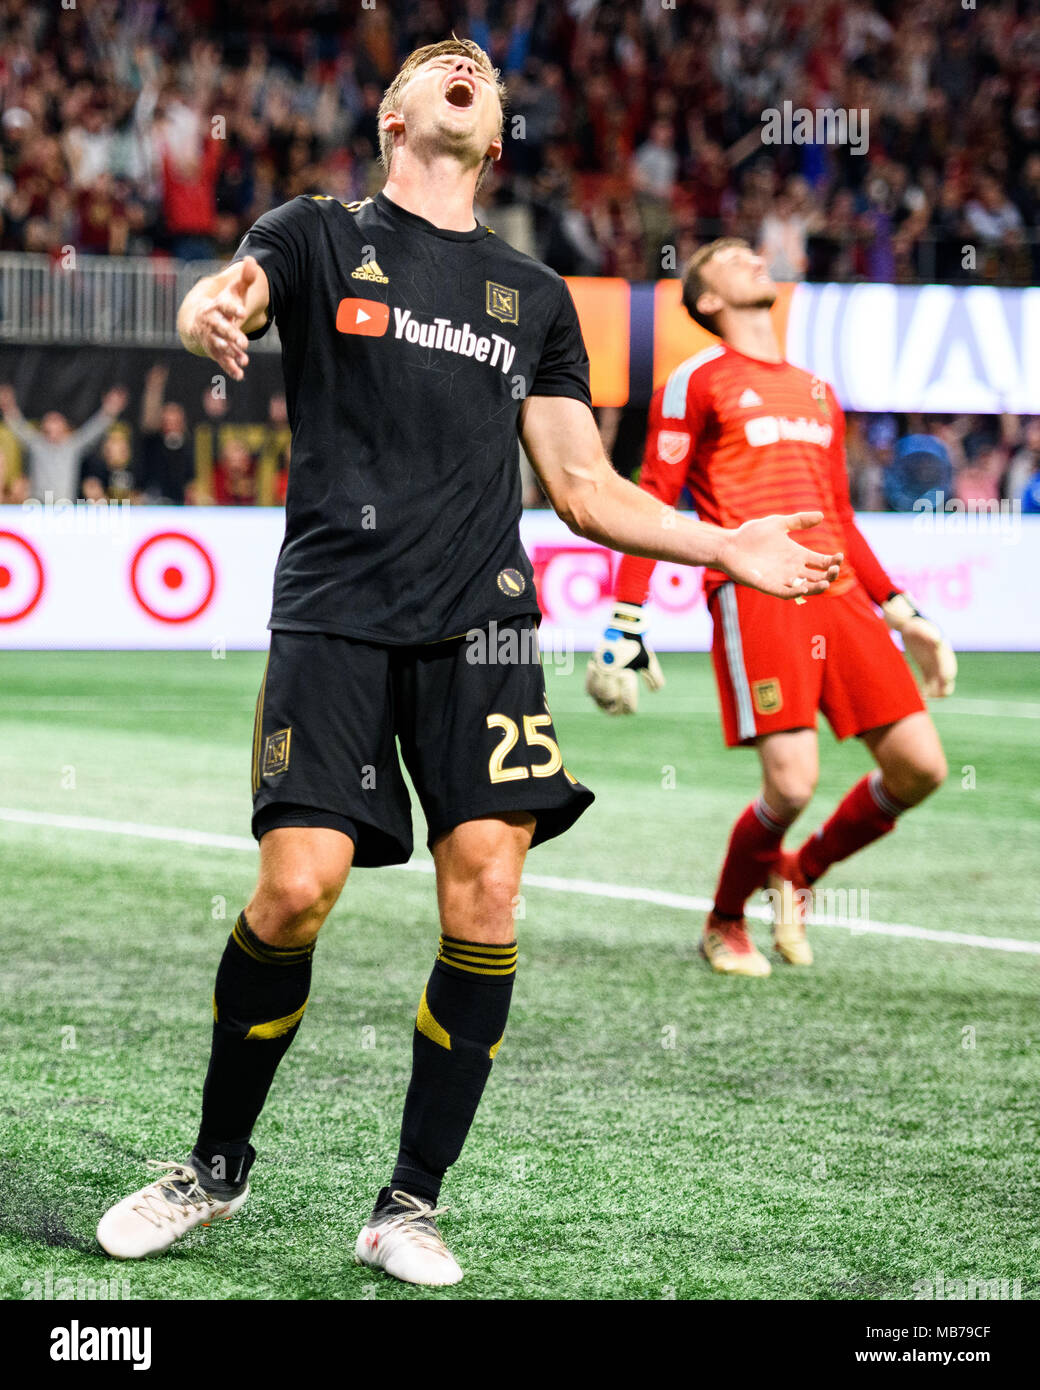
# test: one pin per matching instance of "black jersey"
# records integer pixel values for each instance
(408, 351)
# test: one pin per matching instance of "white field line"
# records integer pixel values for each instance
(993, 709)
(682, 902)
(695, 704)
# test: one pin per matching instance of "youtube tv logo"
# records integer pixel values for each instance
(365, 316)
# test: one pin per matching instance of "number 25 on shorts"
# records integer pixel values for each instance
(533, 723)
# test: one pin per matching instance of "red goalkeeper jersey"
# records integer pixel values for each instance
(749, 438)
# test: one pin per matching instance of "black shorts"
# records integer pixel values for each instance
(471, 718)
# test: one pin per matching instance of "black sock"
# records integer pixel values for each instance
(258, 1003)
(459, 1028)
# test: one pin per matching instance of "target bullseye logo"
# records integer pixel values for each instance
(676, 588)
(21, 577)
(172, 577)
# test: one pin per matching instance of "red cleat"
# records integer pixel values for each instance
(728, 948)
(791, 901)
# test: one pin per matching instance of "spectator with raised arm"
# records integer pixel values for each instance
(54, 453)
(166, 445)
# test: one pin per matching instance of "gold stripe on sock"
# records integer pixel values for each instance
(478, 958)
(241, 941)
(278, 1027)
(500, 971)
(495, 1046)
(429, 1027)
(454, 943)
(448, 949)
(269, 955)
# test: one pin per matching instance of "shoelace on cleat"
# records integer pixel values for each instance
(418, 1220)
(167, 1197)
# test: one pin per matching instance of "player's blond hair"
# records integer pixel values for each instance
(693, 285)
(392, 96)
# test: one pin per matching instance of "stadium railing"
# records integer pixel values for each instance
(115, 300)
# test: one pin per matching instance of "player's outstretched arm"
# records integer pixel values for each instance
(563, 444)
(220, 310)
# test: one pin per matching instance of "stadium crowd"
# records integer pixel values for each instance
(159, 457)
(144, 126)
(634, 132)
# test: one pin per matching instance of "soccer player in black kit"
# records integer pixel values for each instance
(416, 345)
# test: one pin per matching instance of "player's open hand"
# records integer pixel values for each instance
(932, 653)
(762, 555)
(216, 325)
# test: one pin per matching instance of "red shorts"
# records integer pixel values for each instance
(777, 662)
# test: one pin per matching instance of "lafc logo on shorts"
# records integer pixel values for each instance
(502, 303)
(276, 753)
(369, 270)
(511, 582)
(767, 696)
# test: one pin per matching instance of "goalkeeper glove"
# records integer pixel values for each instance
(930, 650)
(610, 677)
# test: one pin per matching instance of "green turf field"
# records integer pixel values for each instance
(650, 1130)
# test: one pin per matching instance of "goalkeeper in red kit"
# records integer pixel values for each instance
(749, 433)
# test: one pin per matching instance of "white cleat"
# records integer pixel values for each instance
(150, 1220)
(403, 1241)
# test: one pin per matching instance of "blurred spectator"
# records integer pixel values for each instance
(1025, 460)
(653, 172)
(865, 469)
(168, 456)
(274, 453)
(234, 478)
(14, 485)
(54, 453)
(109, 477)
(1031, 494)
(783, 238)
(979, 477)
(920, 471)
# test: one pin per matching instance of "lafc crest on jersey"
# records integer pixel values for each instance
(502, 303)
(369, 270)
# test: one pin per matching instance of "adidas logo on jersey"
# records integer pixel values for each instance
(369, 270)
(748, 399)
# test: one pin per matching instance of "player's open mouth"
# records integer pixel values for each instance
(460, 91)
